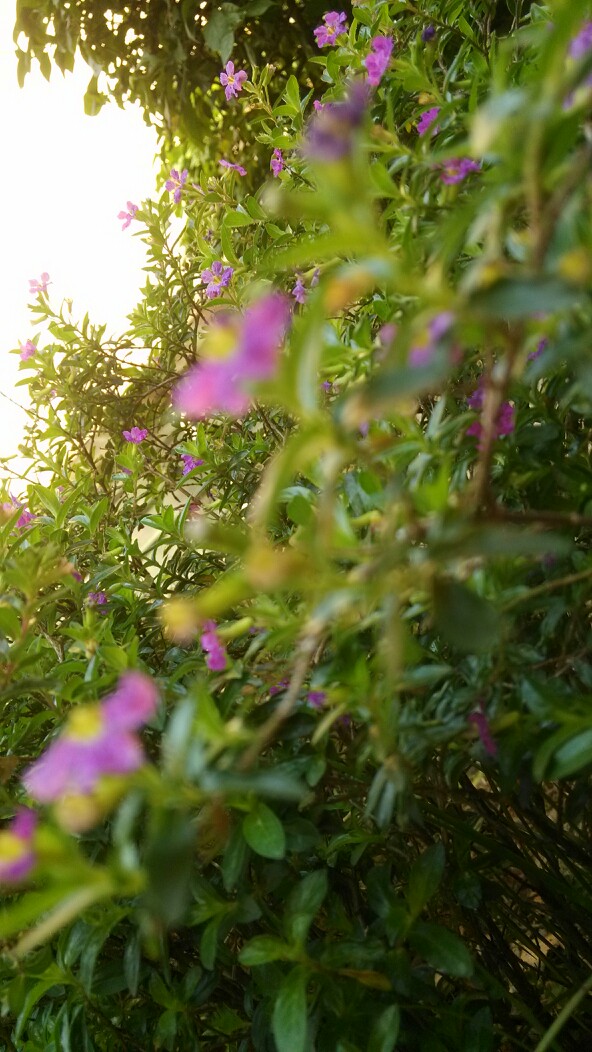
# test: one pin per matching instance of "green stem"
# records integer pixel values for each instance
(568, 1009)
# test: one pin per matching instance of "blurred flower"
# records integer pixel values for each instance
(378, 60)
(582, 42)
(136, 435)
(24, 518)
(427, 119)
(175, 183)
(77, 576)
(319, 106)
(220, 384)
(279, 687)
(97, 599)
(504, 423)
(422, 353)
(217, 277)
(387, 333)
(456, 169)
(28, 349)
(299, 291)
(235, 167)
(333, 25)
(232, 82)
(40, 285)
(330, 131)
(97, 740)
(189, 462)
(428, 34)
(17, 856)
(479, 719)
(327, 385)
(277, 162)
(316, 698)
(129, 215)
(542, 344)
(214, 648)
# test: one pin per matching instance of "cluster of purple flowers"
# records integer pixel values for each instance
(175, 183)
(216, 278)
(277, 162)
(27, 350)
(220, 384)
(504, 422)
(378, 60)
(216, 653)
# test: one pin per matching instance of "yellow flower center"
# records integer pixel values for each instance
(85, 723)
(11, 847)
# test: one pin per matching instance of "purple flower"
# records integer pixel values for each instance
(235, 167)
(378, 60)
(330, 132)
(98, 740)
(582, 42)
(40, 285)
(97, 599)
(28, 349)
(24, 518)
(279, 687)
(17, 856)
(175, 183)
(277, 162)
(333, 25)
(316, 698)
(232, 82)
(387, 333)
(220, 384)
(327, 385)
(129, 215)
(422, 353)
(541, 346)
(189, 462)
(299, 291)
(427, 119)
(217, 278)
(136, 435)
(214, 648)
(77, 576)
(428, 34)
(319, 106)
(504, 423)
(457, 169)
(479, 719)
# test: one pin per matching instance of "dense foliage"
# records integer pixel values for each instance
(329, 496)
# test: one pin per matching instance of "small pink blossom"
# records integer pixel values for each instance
(97, 599)
(387, 333)
(456, 169)
(427, 119)
(479, 719)
(316, 698)
(36, 286)
(377, 61)
(129, 215)
(581, 44)
(333, 25)
(217, 277)
(213, 647)
(504, 422)
(319, 106)
(98, 740)
(423, 352)
(24, 518)
(299, 291)
(234, 167)
(17, 855)
(175, 183)
(232, 82)
(220, 384)
(28, 349)
(190, 463)
(136, 435)
(278, 688)
(277, 162)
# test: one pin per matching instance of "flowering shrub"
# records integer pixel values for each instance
(294, 623)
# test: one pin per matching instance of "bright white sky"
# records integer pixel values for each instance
(63, 179)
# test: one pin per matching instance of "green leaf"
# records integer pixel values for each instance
(304, 902)
(385, 1031)
(234, 218)
(219, 31)
(513, 298)
(465, 619)
(443, 950)
(289, 1013)
(572, 756)
(263, 949)
(424, 878)
(264, 832)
